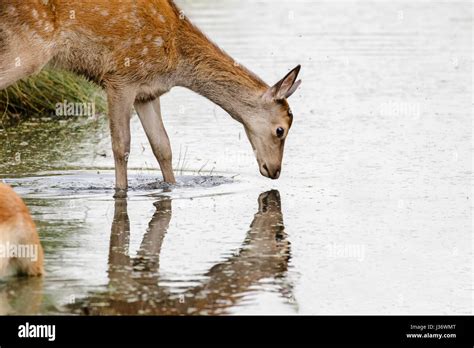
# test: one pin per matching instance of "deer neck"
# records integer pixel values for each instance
(210, 72)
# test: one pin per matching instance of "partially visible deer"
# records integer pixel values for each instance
(138, 50)
(20, 249)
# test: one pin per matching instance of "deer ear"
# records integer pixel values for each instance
(285, 87)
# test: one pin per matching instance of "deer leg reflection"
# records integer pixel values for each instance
(133, 282)
(148, 256)
(119, 259)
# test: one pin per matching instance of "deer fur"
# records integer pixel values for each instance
(17, 230)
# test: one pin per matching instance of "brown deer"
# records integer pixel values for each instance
(20, 249)
(138, 50)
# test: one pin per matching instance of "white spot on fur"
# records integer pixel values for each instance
(159, 41)
(145, 51)
(104, 13)
(162, 18)
(34, 13)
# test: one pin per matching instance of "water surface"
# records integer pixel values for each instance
(372, 214)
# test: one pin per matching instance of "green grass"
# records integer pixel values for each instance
(37, 96)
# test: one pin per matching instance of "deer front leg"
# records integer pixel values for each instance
(152, 122)
(120, 104)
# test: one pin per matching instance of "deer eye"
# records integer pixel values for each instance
(280, 132)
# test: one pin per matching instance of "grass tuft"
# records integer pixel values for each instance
(38, 96)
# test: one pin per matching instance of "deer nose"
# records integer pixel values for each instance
(273, 173)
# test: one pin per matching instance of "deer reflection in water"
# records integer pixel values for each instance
(134, 281)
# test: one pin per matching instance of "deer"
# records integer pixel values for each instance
(137, 51)
(21, 252)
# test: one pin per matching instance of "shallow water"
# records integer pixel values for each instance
(372, 214)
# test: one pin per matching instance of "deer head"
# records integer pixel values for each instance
(268, 128)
